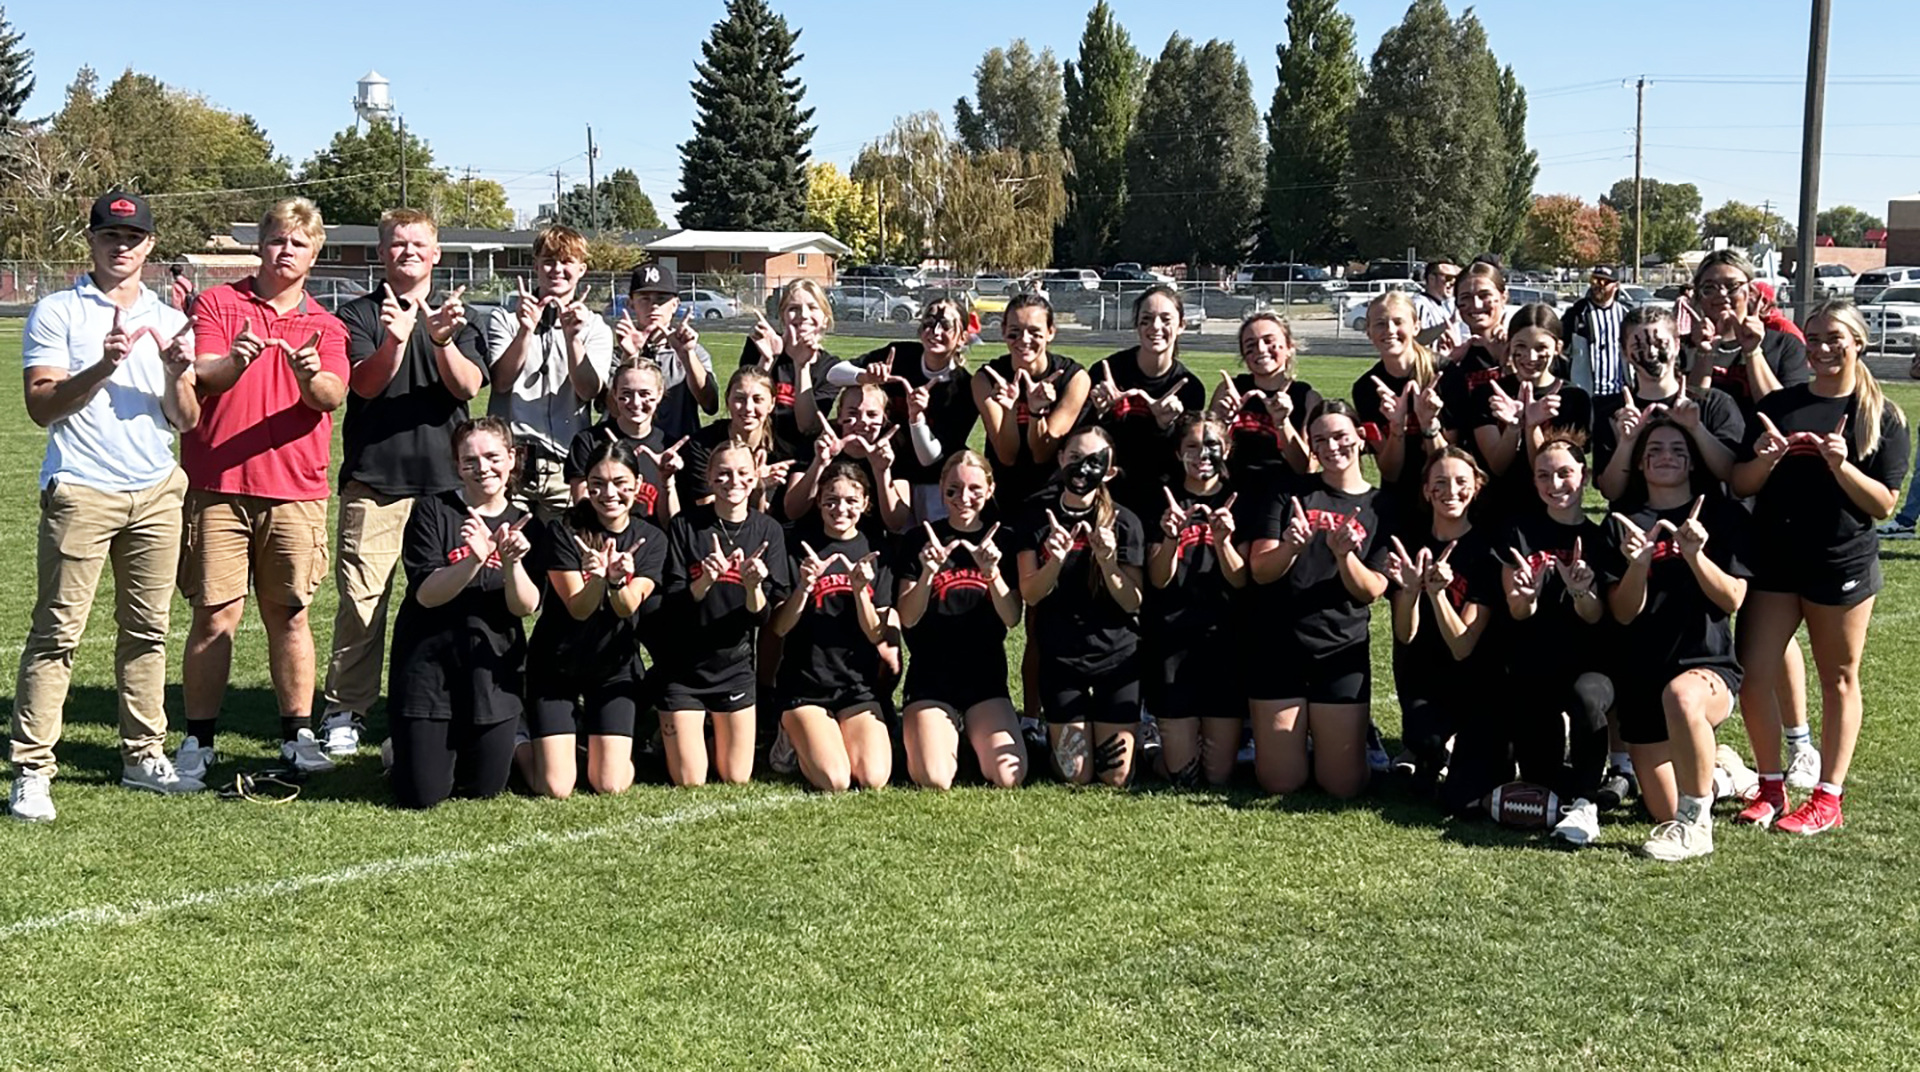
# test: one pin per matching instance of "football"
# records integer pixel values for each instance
(1523, 804)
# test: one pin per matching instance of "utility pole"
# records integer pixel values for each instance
(1812, 128)
(593, 196)
(467, 220)
(1639, 141)
(881, 188)
(558, 215)
(403, 161)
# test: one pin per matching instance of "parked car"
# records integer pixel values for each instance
(1284, 282)
(1000, 283)
(1635, 295)
(1350, 305)
(1830, 281)
(1518, 296)
(709, 304)
(1384, 268)
(1213, 302)
(1127, 279)
(1061, 279)
(889, 276)
(1868, 286)
(1893, 321)
(1135, 270)
(866, 302)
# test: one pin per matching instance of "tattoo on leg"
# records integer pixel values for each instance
(1112, 754)
(668, 729)
(1070, 751)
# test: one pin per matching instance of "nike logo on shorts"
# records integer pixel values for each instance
(1850, 585)
(736, 697)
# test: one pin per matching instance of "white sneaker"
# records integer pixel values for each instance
(1673, 841)
(156, 775)
(781, 756)
(1803, 770)
(1740, 782)
(341, 731)
(192, 761)
(32, 798)
(305, 753)
(1579, 823)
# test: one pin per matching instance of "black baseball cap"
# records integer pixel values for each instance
(117, 208)
(652, 277)
(1605, 273)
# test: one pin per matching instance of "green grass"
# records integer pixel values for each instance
(762, 927)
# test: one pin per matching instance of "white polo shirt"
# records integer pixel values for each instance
(120, 440)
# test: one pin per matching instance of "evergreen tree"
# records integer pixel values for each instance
(1429, 158)
(16, 71)
(1508, 225)
(1102, 94)
(745, 168)
(357, 176)
(1307, 131)
(1193, 162)
(621, 204)
(1017, 102)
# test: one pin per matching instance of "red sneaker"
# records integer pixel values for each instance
(1768, 805)
(1818, 815)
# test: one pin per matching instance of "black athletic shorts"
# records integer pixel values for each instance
(959, 686)
(608, 711)
(811, 694)
(736, 692)
(1641, 714)
(1827, 586)
(1205, 681)
(1111, 696)
(1286, 672)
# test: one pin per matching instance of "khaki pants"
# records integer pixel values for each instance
(81, 529)
(543, 488)
(372, 529)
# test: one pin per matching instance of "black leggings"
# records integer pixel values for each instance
(1491, 743)
(434, 759)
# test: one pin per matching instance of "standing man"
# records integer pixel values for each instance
(108, 372)
(1439, 329)
(653, 297)
(415, 367)
(272, 369)
(1592, 331)
(180, 294)
(554, 366)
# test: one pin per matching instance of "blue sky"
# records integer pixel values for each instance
(509, 88)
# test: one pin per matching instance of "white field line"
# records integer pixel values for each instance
(111, 915)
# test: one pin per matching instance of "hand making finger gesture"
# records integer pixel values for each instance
(1344, 539)
(305, 361)
(1404, 571)
(1685, 412)
(986, 553)
(1393, 404)
(1437, 576)
(510, 543)
(716, 563)
(879, 372)
(1059, 542)
(1227, 401)
(933, 557)
(812, 566)
(668, 461)
(1040, 393)
(1524, 581)
(529, 307)
(766, 340)
(1833, 445)
(1691, 536)
(451, 315)
(1576, 574)
(865, 570)
(627, 336)
(880, 453)
(593, 558)
(1503, 406)
(1539, 409)
(1102, 542)
(397, 314)
(1772, 444)
(246, 345)
(1174, 518)
(1167, 408)
(1220, 522)
(118, 343)
(575, 315)
(753, 568)
(476, 537)
(1299, 527)
(1002, 394)
(683, 336)
(177, 355)
(1626, 419)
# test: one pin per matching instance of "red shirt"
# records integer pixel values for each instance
(258, 437)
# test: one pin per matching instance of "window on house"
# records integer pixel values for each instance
(802, 259)
(520, 258)
(733, 259)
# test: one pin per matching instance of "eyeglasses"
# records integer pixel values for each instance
(1714, 287)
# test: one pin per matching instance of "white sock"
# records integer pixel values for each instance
(1621, 761)
(1799, 739)
(1829, 787)
(1694, 811)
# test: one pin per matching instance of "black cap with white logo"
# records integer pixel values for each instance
(652, 278)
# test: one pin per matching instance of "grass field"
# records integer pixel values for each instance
(764, 927)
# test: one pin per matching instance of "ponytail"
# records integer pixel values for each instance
(1425, 367)
(1869, 398)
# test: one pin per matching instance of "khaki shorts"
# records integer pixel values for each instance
(281, 547)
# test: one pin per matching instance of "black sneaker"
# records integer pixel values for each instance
(1615, 787)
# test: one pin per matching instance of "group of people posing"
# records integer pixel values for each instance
(1196, 560)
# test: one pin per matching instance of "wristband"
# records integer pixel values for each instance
(448, 341)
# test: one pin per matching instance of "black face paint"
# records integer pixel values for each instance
(1083, 476)
(1653, 358)
(1211, 449)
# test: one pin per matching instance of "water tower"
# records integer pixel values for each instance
(372, 98)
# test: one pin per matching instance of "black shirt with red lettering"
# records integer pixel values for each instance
(1464, 385)
(1807, 519)
(692, 477)
(1141, 448)
(1256, 441)
(827, 653)
(786, 426)
(464, 659)
(950, 411)
(1078, 626)
(1679, 628)
(1310, 605)
(1197, 605)
(571, 654)
(1511, 491)
(1014, 483)
(1719, 418)
(1405, 487)
(960, 626)
(650, 499)
(1424, 668)
(1555, 643)
(713, 635)
(1784, 352)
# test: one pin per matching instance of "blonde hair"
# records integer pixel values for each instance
(635, 363)
(295, 215)
(809, 287)
(752, 375)
(966, 457)
(395, 218)
(861, 392)
(560, 243)
(1870, 401)
(1425, 368)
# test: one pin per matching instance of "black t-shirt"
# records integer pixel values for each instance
(1197, 605)
(650, 500)
(1014, 484)
(713, 635)
(1680, 629)
(464, 658)
(1784, 353)
(400, 442)
(678, 413)
(1256, 442)
(786, 426)
(960, 627)
(1405, 488)
(1425, 667)
(1311, 604)
(571, 654)
(1512, 492)
(827, 653)
(1555, 643)
(694, 457)
(1719, 418)
(950, 411)
(1464, 385)
(1806, 517)
(1078, 626)
(1141, 448)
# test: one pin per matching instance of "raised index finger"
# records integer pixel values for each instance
(1694, 515)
